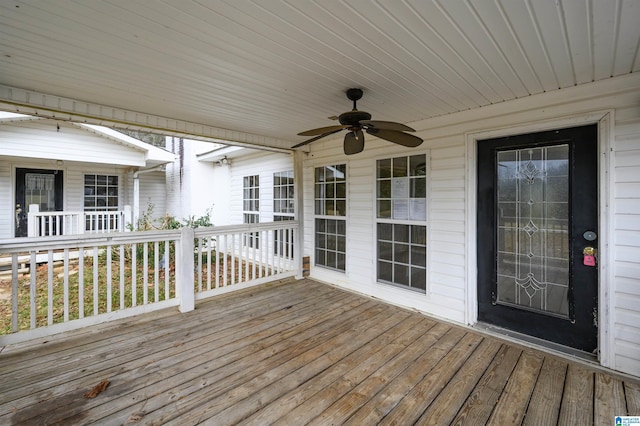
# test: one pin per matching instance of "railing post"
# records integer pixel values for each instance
(127, 217)
(32, 220)
(185, 266)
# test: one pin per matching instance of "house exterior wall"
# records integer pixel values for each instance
(73, 185)
(153, 192)
(264, 165)
(58, 140)
(450, 147)
(190, 183)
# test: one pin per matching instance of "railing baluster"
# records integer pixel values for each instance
(167, 268)
(49, 287)
(122, 279)
(33, 271)
(217, 261)
(96, 294)
(80, 282)
(209, 263)
(199, 255)
(134, 267)
(225, 261)
(109, 289)
(156, 271)
(248, 243)
(66, 284)
(145, 273)
(14, 292)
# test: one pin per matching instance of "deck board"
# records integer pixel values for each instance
(300, 353)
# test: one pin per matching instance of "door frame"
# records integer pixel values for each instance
(605, 121)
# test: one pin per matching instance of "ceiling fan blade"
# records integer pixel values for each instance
(308, 141)
(400, 138)
(387, 125)
(353, 142)
(322, 130)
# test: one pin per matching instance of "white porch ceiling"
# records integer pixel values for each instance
(275, 68)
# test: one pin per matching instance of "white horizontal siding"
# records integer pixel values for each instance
(263, 165)
(7, 206)
(153, 192)
(451, 282)
(51, 139)
(626, 303)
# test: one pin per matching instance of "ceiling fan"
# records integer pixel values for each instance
(355, 122)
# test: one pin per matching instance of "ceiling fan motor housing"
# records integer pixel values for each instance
(352, 118)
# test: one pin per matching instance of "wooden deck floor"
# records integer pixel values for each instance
(299, 353)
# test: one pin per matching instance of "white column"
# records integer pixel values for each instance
(184, 275)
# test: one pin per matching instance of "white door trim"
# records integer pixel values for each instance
(605, 121)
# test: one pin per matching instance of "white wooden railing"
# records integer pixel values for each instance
(71, 281)
(56, 223)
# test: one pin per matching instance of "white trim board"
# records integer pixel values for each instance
(605, 121)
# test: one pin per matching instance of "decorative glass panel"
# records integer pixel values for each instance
(533, 229)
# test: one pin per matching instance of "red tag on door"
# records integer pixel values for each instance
(589, 260)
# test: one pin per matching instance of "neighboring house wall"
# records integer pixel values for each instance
(264, 165)
(190, 183)
(59, 140)
(451, 216)
(153, 193)
(76, 151)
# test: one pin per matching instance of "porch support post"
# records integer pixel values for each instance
(184, 276)
(298, 185)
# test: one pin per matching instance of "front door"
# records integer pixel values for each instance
(537, 217)
(41, 187)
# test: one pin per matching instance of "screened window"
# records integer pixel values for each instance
(401, 231)
(330, 186)
(251, 239)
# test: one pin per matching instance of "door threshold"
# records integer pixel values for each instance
(539, 343)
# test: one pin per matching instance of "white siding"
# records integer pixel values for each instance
(153, 192)
(73, 185)
(7, 205)
(51, 139)
(190, 183)
(264, 165)
(451, 276)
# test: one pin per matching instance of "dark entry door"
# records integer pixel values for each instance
(537, 213)
(35, 186)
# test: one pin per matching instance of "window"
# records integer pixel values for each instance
(251, 207)
(100, 195)
(330, 210)
(251, 193)
(401, 211)
(283, 210)
(283, 193)
(100, 192)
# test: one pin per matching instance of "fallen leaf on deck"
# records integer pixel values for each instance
(97, 389)
(134, 417)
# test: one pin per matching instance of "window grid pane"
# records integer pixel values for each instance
(283, 192)
(331, 243)
(251, 193)
(331, 190)
(401, 198)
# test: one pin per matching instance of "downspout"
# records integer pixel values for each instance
(136, 190)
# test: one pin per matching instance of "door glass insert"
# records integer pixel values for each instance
(40, 190)
(533, 229)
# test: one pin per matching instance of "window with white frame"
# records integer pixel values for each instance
(330, 188)
(401, 214)
(251, 207)
(283, 201)
(100, 195)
